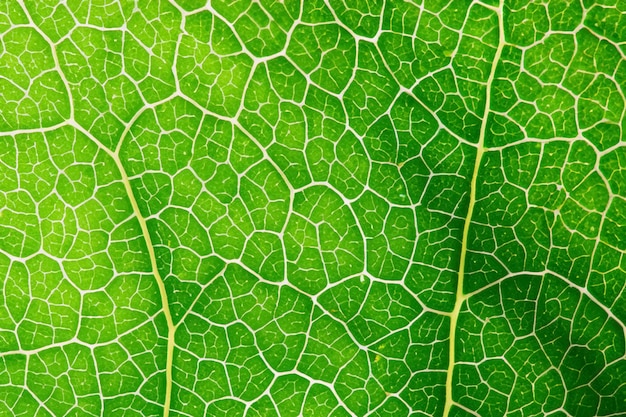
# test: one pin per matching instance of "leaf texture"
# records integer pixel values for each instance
(312, 208)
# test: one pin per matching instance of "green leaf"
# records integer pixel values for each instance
(318, 208)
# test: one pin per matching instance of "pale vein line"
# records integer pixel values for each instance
(461, 297)
(171, 328)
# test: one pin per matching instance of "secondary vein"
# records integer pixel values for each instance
(171, 328)
(461, 297)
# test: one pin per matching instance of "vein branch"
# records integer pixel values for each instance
(461, 297)
(171, 328)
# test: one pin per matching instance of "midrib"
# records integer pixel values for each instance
(461, 297)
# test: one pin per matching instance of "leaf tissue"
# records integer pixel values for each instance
(312, 208)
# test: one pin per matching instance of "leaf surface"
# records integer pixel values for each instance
(312, 208)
